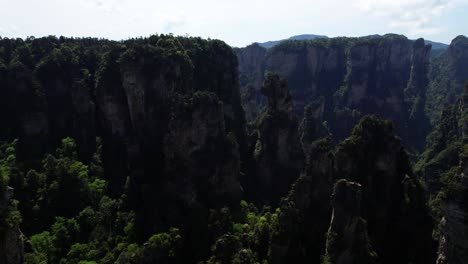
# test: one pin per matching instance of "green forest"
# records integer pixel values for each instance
(170, 149)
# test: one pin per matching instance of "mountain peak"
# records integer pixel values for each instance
(270, 44)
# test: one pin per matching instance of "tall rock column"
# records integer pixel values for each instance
(305, 212)
(347, 238)
(415, 94)
(278, 150)
(392, 199)
(11, 238)
(453, 242)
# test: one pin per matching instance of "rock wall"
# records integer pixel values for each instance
(278, 153)
(347, 238)
(453, 188)
(453, 241)
(305, 210)
(378, 209)
(167, 109)
(447, 75)
(385, 76)
(393, 201)
(11, 239)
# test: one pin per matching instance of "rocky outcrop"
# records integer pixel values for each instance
(313, 126)
(305, 211)
(385, 76)
(11, 239)
(278, 152)
(347, 238)
(167, 108)
(67, 98)
(378, 203)
(453, 242)
(444, 145)
(415, 94)
(447, 76)
(201, 159)
(458, 58)
(251, 72)
(251, 65)
(392, 199)
(313, 69)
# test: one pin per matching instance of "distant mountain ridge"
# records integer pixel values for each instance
(384, 75)
(272, 43)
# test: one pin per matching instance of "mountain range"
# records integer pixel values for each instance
(272, 43)
(169, 149)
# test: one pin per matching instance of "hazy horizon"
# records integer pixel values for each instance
(238, 23)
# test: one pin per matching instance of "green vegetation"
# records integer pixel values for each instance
(69, 217)
(137, 151)
(10, 217)
(440, 164)
(243, 236)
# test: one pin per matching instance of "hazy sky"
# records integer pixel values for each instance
(238, 22)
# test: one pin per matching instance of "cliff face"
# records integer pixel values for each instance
(458, 58)
(386, 76)
(377, 210)
(392, 199)
(278, 152)
(52, 90)
(347, 238)
(251, 64)
(163, 106)
(445, 143)
(251, 71)
(453, 242)
(447, 76)
(305, 210)
(444, 168)
(415, 94)
(11, 239)
(201, 160)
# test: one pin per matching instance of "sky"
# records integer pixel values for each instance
(237, 22)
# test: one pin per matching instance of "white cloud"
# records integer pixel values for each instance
(108, 6)
(10, 30)
(238, 22)
(415, 17)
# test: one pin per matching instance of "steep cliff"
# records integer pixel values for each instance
(392, 199)
(251, 70)
(11, 239)
(444, 145)
(443, 166)
(305, 212)
(447, 76)
(384, 205)
(278, 152)
(453, 241)
(385, 76)
(196, 147)
(347, 238)
(163, 158)
(415, 95)
(167, 108)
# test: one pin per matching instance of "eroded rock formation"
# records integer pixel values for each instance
(352, 77)
(11, 239)
(347, 238)
(453, 241)
(378, 203)
(278, 152)
(375, 158)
